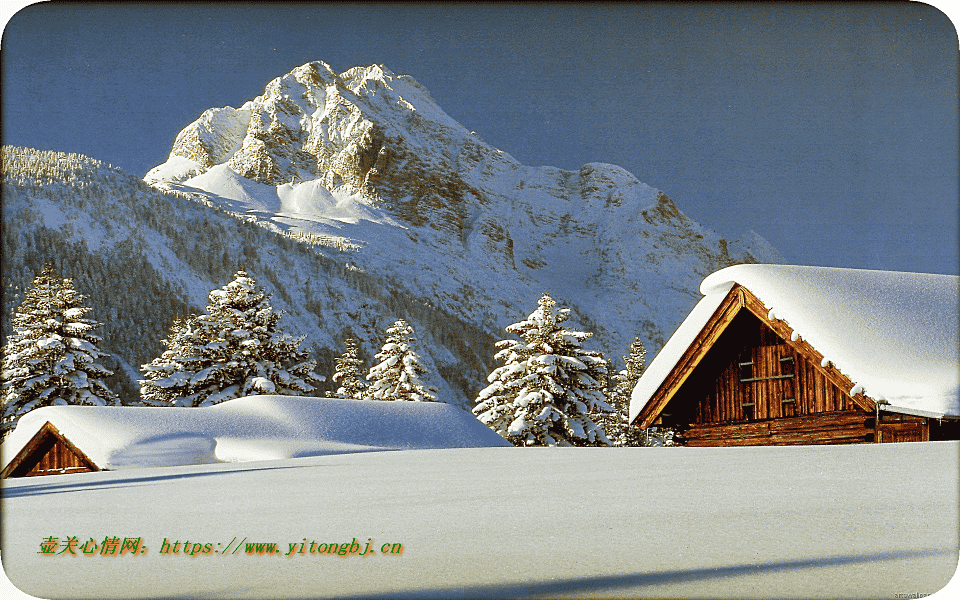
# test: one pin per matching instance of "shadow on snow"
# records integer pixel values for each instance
(610, 584)
(59, 487)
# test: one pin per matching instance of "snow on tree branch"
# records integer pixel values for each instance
(548, 386)
(52, 356)
(397, 375)
(235, 349)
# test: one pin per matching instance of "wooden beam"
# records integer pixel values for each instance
(716, 325)
(830, 428)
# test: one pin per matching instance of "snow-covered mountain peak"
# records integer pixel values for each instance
(371, 77)
(403, 90)
(368, 155)
(312, 123)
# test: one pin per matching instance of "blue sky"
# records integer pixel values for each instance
(830, 129)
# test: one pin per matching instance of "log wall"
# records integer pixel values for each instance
(903, 428)
(847, 427)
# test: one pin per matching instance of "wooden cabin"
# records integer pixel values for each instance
(48, 453)
(739, 374)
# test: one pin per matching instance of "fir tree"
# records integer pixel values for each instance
(548, 386)
(236, 349)
(617, 424)
(52, 357)
(625, 434)
(397, 375)
(495, 406)
(348, 372)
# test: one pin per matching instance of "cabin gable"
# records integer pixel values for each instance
(48, 453)
(753, 374)
(747, 380)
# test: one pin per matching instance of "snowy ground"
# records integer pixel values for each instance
(871, 521)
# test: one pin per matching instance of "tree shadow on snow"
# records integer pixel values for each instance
(55, 487)
(609, 584)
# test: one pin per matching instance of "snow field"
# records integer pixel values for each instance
(788, 522)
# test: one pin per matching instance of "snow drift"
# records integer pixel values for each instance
(252, 428)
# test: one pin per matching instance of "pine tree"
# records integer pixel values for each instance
(617, 424)
(548, 386)
(236, 349)
(397, 375)
(495, 406)
(167, 378)
(348, 372)
(625, 434)
(52, 357)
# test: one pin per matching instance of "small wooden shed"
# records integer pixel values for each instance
(784, 355)
(48, 453)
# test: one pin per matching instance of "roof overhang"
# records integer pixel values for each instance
(905, 410)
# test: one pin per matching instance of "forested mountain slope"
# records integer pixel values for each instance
(145, 257)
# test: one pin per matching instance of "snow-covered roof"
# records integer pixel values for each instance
(893, 334)
(252, 428)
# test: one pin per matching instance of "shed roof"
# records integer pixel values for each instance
(251, 428)
(893, 334)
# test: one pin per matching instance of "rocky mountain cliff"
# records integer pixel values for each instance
(368, 157)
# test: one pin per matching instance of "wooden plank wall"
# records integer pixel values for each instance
(57, 459)
(848, 427)
(771, 363)
(903, 428)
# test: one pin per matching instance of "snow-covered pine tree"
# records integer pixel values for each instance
(348, 372)
(52, 357)
(167, 378)
(236, 349)
(617, 424)
(626, 380)
(495, 406)
(397, 374)
(549, 385)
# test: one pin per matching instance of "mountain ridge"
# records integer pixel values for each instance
(390, 168)
(356, 200)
